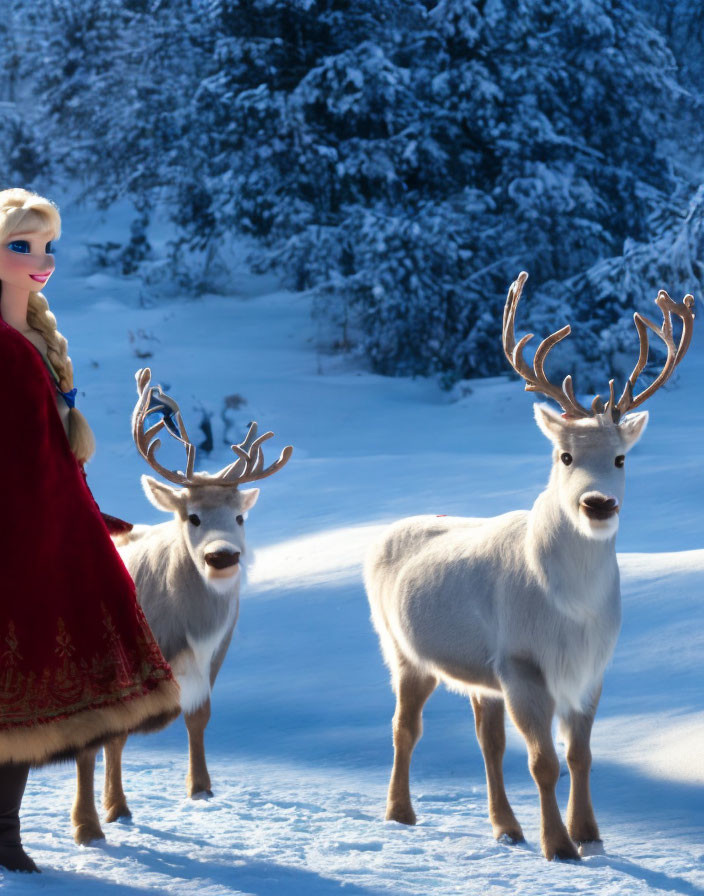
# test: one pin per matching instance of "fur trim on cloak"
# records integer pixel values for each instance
(63, 739)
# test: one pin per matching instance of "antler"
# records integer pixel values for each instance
(537, 381)
(685, 311)
(248, 467)
(152, 400)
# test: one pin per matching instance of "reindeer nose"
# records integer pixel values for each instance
(222, 559)
(598, 507)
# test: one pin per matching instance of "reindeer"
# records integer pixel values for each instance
(522, 609)
(187, 572)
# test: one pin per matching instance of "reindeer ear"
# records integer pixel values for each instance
(550, 422)
(632, 427)
(249, 498)
(163, 497)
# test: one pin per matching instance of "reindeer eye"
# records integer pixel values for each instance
(240, 519)
(620, 460)
(566, 458)
(194, 519)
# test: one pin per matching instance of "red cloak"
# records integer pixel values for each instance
(78, 662)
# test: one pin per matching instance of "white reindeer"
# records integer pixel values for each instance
(187, 572)
(524, 608)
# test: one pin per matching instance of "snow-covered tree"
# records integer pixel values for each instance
(406, 159)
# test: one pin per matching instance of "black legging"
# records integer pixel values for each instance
(13, 778)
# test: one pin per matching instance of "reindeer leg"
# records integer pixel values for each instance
(198, 779)
(86, 824)
(491, 734)
(531, 707)
(114, 799)
(581, 822)
(412, 690)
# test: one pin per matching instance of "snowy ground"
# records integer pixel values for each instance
(299, 745)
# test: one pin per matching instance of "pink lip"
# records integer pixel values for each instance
(41, 278)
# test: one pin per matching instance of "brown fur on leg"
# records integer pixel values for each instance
(532, 708)
(114, 799)
(86, 824)
(581, 822)
(491, 734)
(198, 779)
(412, 692)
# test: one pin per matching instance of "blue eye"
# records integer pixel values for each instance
(21, 246)
(49, 248)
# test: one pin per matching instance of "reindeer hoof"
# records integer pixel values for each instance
(566, 855)
(118, 812)
(204, 794)
(510, 836)
(564, 852)
(591, 848)
(401, 814)
(85, 834)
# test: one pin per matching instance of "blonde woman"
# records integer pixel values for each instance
(78, 663)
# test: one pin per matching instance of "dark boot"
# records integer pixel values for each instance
(13, 778)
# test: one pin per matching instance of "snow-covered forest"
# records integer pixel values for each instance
(405, 159)
(308, 212)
